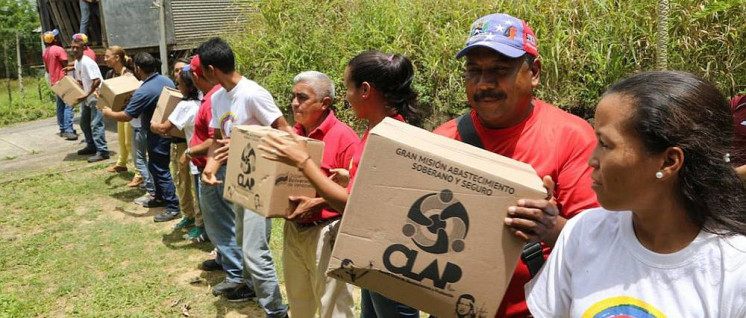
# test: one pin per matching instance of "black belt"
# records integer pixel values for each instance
(177, 140)
(319, 222)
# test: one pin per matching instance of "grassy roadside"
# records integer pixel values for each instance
(29, 106)
(73, 244)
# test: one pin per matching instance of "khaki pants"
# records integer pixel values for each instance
(183, 181)
(305, 257)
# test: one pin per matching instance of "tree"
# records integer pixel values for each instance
(18, 18)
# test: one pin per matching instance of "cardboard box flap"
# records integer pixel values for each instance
(122, 84)
(463, 153)
(266, 129)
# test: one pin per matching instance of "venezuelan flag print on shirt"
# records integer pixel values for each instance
(622, 307)
(226, 123)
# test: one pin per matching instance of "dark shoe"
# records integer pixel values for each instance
(70, 136)
(211, 265)
(153, 203)
(241, 294)
(225, 287)
(167, 216)
(97, 157)
(86, 151)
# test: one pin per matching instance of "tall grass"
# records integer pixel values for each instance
(37, 101)
(585, 45)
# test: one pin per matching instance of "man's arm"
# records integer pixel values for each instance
(280, 123)
(213, 163)
(741, 171)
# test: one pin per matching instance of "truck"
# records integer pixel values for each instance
(135, 24)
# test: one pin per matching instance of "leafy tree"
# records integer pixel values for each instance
(18, 19)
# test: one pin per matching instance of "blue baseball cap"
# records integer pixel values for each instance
(505, 34)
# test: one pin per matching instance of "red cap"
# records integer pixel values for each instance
(195, 66)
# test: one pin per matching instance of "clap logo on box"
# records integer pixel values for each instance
(437, 223)
(248, 165)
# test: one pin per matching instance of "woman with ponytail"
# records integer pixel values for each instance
(121, 64)
(670, 237)
(378, 86)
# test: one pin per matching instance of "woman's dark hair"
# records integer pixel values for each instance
(186, 77)
(391, 75)
(678, 109)
(218, 53)
(147, 62)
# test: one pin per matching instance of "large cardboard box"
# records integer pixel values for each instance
(263, 185)
(166, 104)
(68, 90)
(116, 92)
(424, 224)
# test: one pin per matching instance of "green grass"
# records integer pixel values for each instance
(73, 244)
(29, 106)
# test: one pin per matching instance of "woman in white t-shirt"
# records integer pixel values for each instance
(185, 173)
(669, 239)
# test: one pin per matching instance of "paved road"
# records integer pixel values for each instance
(35, 145)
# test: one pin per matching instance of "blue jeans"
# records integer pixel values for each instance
(159, 158)
(64, 116)
(92, 125)
(220, 225)
(375, 305)
(86, 9)
(253, 232)
(140, 157)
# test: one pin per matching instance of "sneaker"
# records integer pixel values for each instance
(136, 181)
(225, 287)
(144, 199)
(184, 223)
(97, 157)
(166, 216)
(86, 151)
(241, 294)
(154, 204)
(211, 265)
(195, 233)
(116, 169)
(70, 136)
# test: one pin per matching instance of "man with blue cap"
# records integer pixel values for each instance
(55, 60)
(502, 69)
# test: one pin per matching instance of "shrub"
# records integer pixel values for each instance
(585, 45)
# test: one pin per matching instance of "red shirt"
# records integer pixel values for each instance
(53, 57)
(339, 147)
(359, 148)
(554, 143)
(738, 108)
(202, 129)
(90, 53)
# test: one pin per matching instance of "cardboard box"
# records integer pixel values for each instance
(262, 185)
(166, 104)
(68, 89)
(424, 224)
(116, 92)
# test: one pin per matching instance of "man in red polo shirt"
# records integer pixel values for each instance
(55, 60)
(738, 154)
(311, 228)
(502, 69)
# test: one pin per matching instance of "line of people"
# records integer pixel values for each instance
(645, 214)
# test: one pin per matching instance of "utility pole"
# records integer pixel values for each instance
(161, 5)
(20, 69)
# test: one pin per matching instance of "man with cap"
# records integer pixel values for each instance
(91, 119)
(55, 60)
(502, 69)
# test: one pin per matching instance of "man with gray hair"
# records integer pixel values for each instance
(310, 230)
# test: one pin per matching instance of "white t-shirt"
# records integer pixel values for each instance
(86, 71)
(183, 118)
(246, 104)
(598, 268)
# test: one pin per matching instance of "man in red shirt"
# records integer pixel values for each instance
(310, 229)
(55, 59)
(502, 69)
